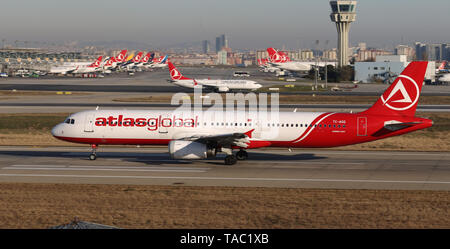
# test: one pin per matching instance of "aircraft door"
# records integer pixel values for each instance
(89, 123)
(362, 126)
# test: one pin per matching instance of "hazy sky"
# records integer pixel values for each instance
(247, 23)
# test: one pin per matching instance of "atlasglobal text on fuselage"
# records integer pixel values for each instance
(201, 135)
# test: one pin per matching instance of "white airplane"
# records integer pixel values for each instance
(91, 68)
(442, 68)
(445, 78)
(146, 60)
(281, 61)
(130, 65)
(114, 62)
(202, 134)
(160, 62)
(215, 85)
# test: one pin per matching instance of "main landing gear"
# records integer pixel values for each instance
(231, 159)
(93, 154)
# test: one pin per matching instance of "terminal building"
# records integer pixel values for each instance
(386, 68)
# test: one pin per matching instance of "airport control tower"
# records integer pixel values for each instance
(343, 13)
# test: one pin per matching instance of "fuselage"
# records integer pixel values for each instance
(220, 85)
(284, 129)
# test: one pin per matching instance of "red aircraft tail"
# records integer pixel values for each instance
(174, 73)
(274, 56)
(401, 98)
(97, 62)
(121, 56)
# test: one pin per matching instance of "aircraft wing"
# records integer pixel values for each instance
(224, 140)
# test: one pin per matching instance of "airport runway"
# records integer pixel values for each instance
(170, 88)
(265, 168)
(63, 107)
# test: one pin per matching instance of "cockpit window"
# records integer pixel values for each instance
(69, 121)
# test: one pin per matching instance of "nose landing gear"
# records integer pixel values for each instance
(93, 154)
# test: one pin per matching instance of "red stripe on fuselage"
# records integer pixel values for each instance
(311, 126)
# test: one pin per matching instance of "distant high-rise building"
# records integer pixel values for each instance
(447, 52)
(224, 41)
(206, 46)
(405, 50)
(222, 57)
(433, 52)
(218, 44)
(421, 51)
(221, 42)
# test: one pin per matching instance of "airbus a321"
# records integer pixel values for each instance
(191, 135)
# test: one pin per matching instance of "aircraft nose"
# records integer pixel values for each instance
(57, 130)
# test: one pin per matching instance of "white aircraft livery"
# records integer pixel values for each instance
(217, 85)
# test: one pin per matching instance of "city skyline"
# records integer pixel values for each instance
(249, 24)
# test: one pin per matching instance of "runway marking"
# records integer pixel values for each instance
(232, 178)
(106, 168)
(285, 162)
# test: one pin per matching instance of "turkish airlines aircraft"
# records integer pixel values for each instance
(215, 85)
(146, 60)
(160, 62)
(445, 78)
(282, 61)
(442, 68)
(93, 67)
(203, 134)
(113, 62)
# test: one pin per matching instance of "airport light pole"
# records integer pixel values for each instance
(326, 66)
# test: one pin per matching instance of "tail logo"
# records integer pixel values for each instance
(175, 74)
(403, 96)
(120, 57)
(275, 57)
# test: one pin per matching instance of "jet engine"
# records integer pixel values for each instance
(180, 149)
(223, 89)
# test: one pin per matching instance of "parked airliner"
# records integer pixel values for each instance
(282, 61)
(203, 134)
(93, 67)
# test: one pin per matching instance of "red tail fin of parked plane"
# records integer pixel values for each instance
(97, 62)
(138, 57)
(174, 73)
(146, 58)
(442, 66)
(274, 56)
(401, 98)
(121, 56)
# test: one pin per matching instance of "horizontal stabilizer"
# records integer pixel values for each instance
(395, 125)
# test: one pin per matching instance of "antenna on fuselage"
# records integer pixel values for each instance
(97, 108)
(295, 110)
